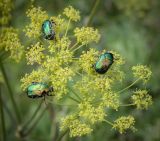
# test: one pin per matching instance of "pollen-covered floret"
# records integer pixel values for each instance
(86, 35)
(142, 72)
(35, 54)
(59, 80)
(34, 76)
(37, 16)
(11, 42)
(142, 99)
(111, 100)
(5, 11)
(124, 123)
(75, 126)
(87, 60)
(90, 113)
(59, 22)
(72, 13)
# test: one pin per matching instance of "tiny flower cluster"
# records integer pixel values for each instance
(10, 42)
(142, 99)
(74, 77)
(142, 72)
(124, 123)
(5, 11)
(86, 35)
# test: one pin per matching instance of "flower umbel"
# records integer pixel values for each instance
(142, 72)
(37, 16)
(72, 13)
(10, 42)
(86, 35)
(76, 127)
(35, 54)
(142, 99)
(124, 123)
(73, 75)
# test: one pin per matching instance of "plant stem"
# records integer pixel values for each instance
(128, 86)
(2, 117)
(108, 122)
(93, 11)
(74, 99)
(35, 123)
(10, 93)
(75, 93)
(126, 105)
(62, 135)
(33, 116)
(75, 45)
(77, 48)
(67, 27)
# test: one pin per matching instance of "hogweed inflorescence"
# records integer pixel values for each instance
(73, 76)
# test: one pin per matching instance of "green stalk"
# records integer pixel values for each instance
(2, 117)
(62, 135)
(93, 11)
(110, 123)
(10, 93)
(75, 93)
(67, 27)
(32, 117)
(35, 123)
(128, 86)
(77, 48)
(74, 99)
(126, 105)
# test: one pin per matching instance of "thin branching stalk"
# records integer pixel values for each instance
(74, 99)
(126, 105)
(77, 48)
(75, 93)
(10, 93)
(35, 122)
(129, 86)
(33, 116)
(110, 123)
(74, 45)
(2, 117)
(62, 135)
(93, 11)
(67, 27)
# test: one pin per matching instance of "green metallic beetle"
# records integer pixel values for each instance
(39, 89)
(104, 62)
(47, 30)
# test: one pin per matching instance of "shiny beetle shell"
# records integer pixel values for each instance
(38, 89)
(104, 62)
(47, 30)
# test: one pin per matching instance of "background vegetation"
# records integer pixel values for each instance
(130, 27)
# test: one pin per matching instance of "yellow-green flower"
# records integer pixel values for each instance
(10, 42)
(75, 126)
(72, 13)
(110, 100)
(86, 35)
(60, 24)
(142, 99)
(5, 11)
(59, 80)
(35, 54)
(142, 72)
(87, 60)
(124, 123)
(34, 76)
(90, 113)
(37, 16)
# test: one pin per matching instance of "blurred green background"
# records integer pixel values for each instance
(132, 28)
